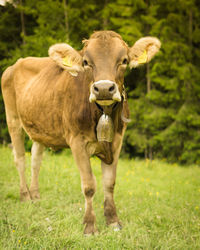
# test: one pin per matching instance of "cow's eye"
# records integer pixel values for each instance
(85, 63)
(125, 61)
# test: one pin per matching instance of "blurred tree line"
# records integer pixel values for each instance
(164, 95)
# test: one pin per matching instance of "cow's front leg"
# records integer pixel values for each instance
(109, 176)
(108, 179)
(88, 183)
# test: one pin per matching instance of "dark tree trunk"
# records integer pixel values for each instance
(22, 22)
(105, 19)
(190, 28)
(66, 19)
(148, 79)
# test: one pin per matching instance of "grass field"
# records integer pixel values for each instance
(158, 204)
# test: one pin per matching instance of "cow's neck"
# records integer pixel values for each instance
(103, 149)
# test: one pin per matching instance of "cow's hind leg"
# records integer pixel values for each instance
(36, 158)
(88, 183)
(15, 130)
(17, 138)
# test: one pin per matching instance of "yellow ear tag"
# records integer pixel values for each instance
(67, 62)
(143, 58)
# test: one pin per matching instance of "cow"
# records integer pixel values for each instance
(74, 99)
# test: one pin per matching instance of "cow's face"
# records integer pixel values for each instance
(104, 58)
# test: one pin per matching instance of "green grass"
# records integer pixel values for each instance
(158, 204)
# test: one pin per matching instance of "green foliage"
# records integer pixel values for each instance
(165, 119)
(163, 96)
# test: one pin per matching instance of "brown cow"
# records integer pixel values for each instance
(77, 100)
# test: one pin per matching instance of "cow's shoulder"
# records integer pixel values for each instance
(28, 69)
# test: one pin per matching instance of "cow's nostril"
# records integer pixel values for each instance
(96, 89)
(111, 88)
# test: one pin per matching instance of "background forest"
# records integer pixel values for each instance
(164, 95)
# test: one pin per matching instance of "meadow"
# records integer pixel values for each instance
(158, 204)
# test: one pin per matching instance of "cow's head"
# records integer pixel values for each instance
(105, 57)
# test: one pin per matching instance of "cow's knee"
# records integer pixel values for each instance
(89, 192)
(89, 187)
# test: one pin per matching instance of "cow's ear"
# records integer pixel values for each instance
(66, 57)
(143, 51)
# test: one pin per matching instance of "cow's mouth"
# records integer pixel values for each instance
(107, 109)
(105, 102)
(104, 92)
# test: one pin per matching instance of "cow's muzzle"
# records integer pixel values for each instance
(104, 92)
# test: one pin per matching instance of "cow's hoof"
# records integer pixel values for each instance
(90, 230)
(92, 234)
(35, 195)
(116, 226)
(25, 196)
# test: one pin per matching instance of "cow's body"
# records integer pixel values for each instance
(58, 109)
